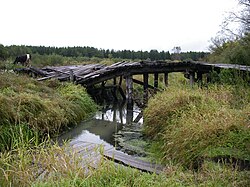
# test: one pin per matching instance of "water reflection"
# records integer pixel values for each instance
(115, 124)
(120, 113)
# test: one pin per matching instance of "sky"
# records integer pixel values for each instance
(113, 24)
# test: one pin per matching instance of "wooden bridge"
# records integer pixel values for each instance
(93, 74)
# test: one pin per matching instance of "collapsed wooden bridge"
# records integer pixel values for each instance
(92, 74)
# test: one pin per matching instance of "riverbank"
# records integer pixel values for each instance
(40, 109)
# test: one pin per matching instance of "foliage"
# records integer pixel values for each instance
(195, 124)
(232, 52)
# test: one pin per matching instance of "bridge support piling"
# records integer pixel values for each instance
(166, 79)
(199, 78)
(129, 88)
(71, 76)
(114, 91)
(156, 77)
(191, 78)
(145, 88)
(129, 116)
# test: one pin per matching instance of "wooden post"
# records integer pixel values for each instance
(115, 89)
(129, 116)
(114, 112)
(71, 76)
(166, 79)
(145, 88)
(120, 81)
(156, 77)
(129, 88)
(191, 78)
(122, 93)
(199, 78)
(209, 79)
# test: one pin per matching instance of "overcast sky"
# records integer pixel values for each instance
(113, 24)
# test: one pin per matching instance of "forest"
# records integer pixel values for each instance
(90, 52)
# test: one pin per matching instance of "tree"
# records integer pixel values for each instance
(176, 53)
(241, 18)
(3, 52)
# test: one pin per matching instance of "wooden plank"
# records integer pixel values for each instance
(141, 83)
(92, 153)
(130, 161)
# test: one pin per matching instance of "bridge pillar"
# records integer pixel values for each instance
(156, 77)
(166, 79)
(191, 78)
(145, 88)
(129, 88)
(129, 115)
(114, 91)
(199, 78)
(71, 76)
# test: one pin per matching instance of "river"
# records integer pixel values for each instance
(116, 124)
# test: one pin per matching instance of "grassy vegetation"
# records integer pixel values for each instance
(189, 128)
(192, 126)
(43, 108)
(51, 166)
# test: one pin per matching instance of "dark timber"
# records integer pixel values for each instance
(93, 74)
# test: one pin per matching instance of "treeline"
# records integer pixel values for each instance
(15, 50)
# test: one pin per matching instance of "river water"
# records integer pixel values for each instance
(116, 124)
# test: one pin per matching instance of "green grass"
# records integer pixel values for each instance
(45, 107)
(50, 165)
(192, 123)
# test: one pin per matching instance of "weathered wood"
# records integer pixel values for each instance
(114, 91)
(138, 117)
(145, 87)
(122, 92)
(71, 76)
(48, 77)
(120, 81)
(129, 88)
(92, 74)
(130, 113)
(130, 161)
(141, 83)
(166, 79)
(191, 78)
(156, 77)
(92, 155)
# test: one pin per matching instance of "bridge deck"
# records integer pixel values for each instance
(91, 74)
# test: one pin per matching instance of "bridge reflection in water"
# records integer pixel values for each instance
(107, 124)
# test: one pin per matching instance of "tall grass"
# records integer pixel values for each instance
(189, 125)
(46, 108)
(193, 123)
